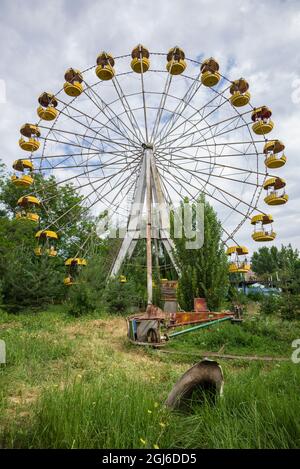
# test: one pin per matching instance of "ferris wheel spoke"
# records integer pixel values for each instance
(66, 157)
(167, 194)
(70, 156)
(107, 139)
(69, 144)
(128, 110)
(91, 119)
(107, 164)
(111, 202)
(179, 180)
(130, 185)
(178, 112)
(209, 128)
(86, 174)
(114, 118)
(103, 139)
(187, 160)
(202, 117)
(212, 155)
(223, 191)
(113, 184)
(84, 163)
(228, 121)
(67, 180)
(237, 127)
(83, 245)
(144, 98)
(229, 236)
(201, 145)
(84, 198)
(88, 207)
(161, 107)
(216, 175)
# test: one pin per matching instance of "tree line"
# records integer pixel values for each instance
(29, 281)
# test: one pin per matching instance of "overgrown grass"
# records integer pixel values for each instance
(255, 336)
(258, 410)
(76, 383)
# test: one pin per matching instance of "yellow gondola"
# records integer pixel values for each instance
(46, 243)
(48, 103)
(262, 122)
(176, 63)
(25, 179)
(27, 206)
(272, 149)
(273, 186)
(262, 234)
(140, 59)
(237, 263)
(105, 66)
(74, 265)
(31, 132)
(73, 84)
(209, 72)
(122, 279)
(240, 95)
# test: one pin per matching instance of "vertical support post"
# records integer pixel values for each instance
(148, 156)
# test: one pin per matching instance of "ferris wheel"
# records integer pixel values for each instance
(152, 128)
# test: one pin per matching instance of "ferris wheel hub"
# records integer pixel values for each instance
(147, 146)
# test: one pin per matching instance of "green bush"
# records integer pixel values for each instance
(270, 304)
(255, 295)
(87, 295)
(290, 306)
(120, 297)
(82, 300)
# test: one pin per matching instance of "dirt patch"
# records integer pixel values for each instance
(10, 325)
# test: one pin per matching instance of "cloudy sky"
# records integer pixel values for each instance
(258, 39)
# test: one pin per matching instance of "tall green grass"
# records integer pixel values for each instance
(253, 337)
(258, 410)
(105, 409)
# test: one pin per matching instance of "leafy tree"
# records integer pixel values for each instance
(270, 304)
(27, 280)
(290, 306)
(90, 293)
(60, 210)
(120, 297)
(265, 261)
(204, 271)
(282, 264)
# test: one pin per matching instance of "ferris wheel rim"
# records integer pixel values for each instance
(192, 78)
